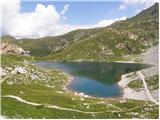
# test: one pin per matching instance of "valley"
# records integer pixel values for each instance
(36, 91)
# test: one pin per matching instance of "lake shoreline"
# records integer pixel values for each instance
(81, 94)
(149, 57)
(127, 93)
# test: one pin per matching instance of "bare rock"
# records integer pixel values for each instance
(120, 45)
(20, 70)
(6, 48)
(2, 72)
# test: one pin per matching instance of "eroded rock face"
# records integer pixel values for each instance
(10, 48)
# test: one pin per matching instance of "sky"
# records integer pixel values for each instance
(40, 18)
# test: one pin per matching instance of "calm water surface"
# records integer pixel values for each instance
(98, 79)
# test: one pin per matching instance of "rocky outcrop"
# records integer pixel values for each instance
(20, 70)
(6, 48)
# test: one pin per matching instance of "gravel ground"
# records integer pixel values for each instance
(149, 57)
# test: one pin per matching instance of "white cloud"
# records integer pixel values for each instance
(65, 9)
(122, 7)
(109, 21)
(63, 12)
(64, 17)
(43, 21)
(127, 3)
(39, 23)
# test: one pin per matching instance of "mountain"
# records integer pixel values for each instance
(118, 41)
(49, 45)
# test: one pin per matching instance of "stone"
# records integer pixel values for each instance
(8, 68)
(21, 92)
(87, 107)
(2, 72)
(14, 72)
(120, 45)
(119, 115)
(20, 70)
(93, 115)
(20, 50)
(122, 101)
(34, 77)
(10, 82)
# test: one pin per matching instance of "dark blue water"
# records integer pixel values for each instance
(98, 79)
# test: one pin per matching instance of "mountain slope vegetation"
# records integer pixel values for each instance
(115, 42)
(122, 38)
(29, 91)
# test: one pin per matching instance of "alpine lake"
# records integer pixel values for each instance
(97, 79)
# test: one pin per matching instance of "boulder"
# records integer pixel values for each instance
(2, 72)
(20, 70)
(19, 50)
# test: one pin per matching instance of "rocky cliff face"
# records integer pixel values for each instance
(6, 48)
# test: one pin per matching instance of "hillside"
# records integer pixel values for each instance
(119, 41)
(49, 45)
(31, 91)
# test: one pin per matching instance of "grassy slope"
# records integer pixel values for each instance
(37, 90)
(101, 42)
(106, 45)
(128, 37)
(152, 83)
(49, 45)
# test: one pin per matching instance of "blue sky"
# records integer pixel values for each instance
(86, 12)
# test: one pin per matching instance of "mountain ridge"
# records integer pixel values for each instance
(122, 38)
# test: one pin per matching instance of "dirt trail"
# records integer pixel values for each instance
(69, 109)
(2, 79)
(146, 88)
(149, 57)
(51, 106)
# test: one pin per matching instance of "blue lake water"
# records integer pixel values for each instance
(98, 79)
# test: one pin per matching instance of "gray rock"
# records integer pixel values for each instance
(2, 72)
(20, 70)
